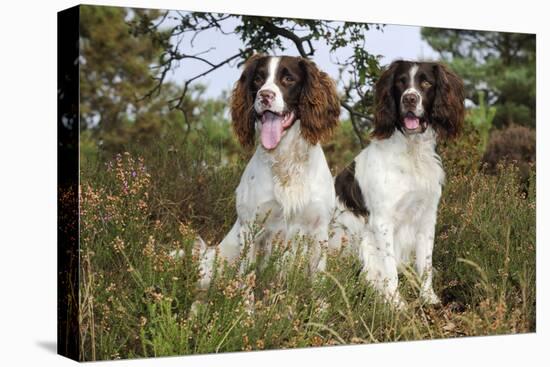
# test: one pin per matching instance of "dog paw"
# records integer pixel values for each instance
(395, 301)
(177, 254)
(196, 308)
(199, 248)
(398, 303)
(430, 298)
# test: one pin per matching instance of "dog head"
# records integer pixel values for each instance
(275, 92)
(410, 96)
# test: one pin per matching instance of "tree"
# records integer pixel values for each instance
(499, 64)
(114, 76)
(264, 34)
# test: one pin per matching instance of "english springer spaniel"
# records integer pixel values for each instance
(287, 184)
(388, 196)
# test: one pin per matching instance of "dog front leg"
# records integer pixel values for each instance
(229, 250)
(379, 262)
(314, 223)
(423, 262)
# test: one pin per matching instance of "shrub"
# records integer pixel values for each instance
(514, 144)
(462, 155)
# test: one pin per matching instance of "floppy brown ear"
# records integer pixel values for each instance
(242, 103)
(385, 108)
(319, 106)
(448, 109)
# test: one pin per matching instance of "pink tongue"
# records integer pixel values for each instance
(272, 129)
(411, 123)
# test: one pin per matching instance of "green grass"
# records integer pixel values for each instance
(135, 300)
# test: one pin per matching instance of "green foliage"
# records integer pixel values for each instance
(114, 78)
(492, 225)
(342, 147)
(500, 64)
(462, 156)
(481, 117)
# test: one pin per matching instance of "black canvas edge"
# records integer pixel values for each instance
(68, 336)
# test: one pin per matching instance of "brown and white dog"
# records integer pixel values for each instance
(292, 106)
(388, 196)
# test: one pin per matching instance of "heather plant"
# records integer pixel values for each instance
(136, 300)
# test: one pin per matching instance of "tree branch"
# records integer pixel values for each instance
(179, 100)
(352, 115)
(298, 41)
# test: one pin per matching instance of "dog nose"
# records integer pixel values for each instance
(410, 99)
(266, 96)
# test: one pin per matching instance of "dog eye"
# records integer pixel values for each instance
(258, 79)
(288, 79)
(425, 84)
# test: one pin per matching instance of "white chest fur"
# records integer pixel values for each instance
(401, 170)
(289, 167)
(285, 180)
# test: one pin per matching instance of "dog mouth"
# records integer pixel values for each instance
(273, 126)
(413, 123)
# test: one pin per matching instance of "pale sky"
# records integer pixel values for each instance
(393, 42)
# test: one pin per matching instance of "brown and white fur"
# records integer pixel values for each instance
(388, 196)
(292, 106)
